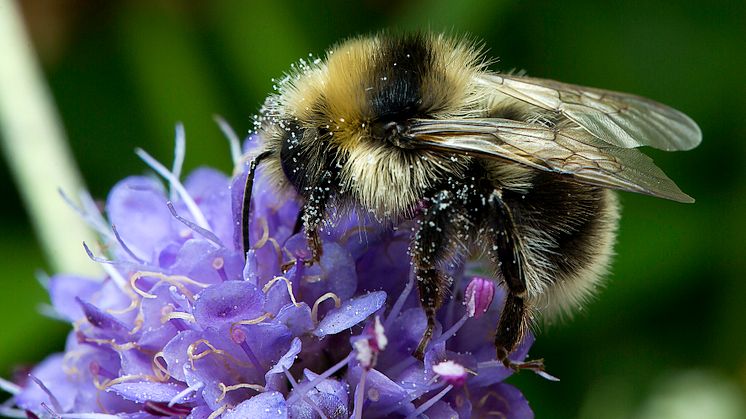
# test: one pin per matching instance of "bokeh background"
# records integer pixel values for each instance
(667, 335)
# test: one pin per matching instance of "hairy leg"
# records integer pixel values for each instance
(514, 318)
(432, 246)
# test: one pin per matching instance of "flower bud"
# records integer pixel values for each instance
(479, 295)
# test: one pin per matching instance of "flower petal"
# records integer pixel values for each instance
(277, 372)
(137, 206)
(269, 405)
(51, 373)
(335, 272)
(296, 318)
(330, 396)
(64, 289)
(350, 313)
(101, 319)
(210, 191)
(144, 391)
(175, 353)
(384, 396)
(228, 302)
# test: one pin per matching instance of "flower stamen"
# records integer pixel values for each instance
(55, 403)
(294, 384)
(255, 320)
(360, 395)
(183, 393)
(219, 411)
(428, 404)
(209, 235)
(305, 388)
(130, 377)
(233, 141)
(179, 153)
(171, 315)
(265, 233)
(124, 245)
(211, 350)
(452, 330)
(176, 280)
(116, 346)
(289, 284)
(88, 212)
(9, 387)
(159, 369)
(239, 336)
(317, 303)
(176, 184)
(134, 304)
(399, 302)
(225, 389)
(219, 265)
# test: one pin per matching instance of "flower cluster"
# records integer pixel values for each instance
(186, 325)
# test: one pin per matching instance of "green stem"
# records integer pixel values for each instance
(36, 149)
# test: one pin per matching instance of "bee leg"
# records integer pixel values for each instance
(430, 247)
(314, 244)
(514, 318)
(312, 215)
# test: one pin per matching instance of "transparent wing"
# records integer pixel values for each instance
(619, 119)
(569, 150)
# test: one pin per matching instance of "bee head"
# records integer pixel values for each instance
(350, 111)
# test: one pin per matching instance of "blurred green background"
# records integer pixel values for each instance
(667, 333)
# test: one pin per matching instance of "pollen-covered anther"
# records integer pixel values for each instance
(451, 372)
(478, 296)
(379, 337)
(372, 341)
(364, 353)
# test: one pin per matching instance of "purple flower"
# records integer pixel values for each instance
(185, 325)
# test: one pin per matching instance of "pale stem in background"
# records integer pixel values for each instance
(36, 149)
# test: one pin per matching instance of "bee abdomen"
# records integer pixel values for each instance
(568, 232)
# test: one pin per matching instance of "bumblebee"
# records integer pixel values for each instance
(521, 169)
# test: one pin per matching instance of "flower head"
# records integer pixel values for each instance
(185, 324)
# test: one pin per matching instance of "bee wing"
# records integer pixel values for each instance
(568, 150)
(619, 119)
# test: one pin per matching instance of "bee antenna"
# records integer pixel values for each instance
(246, 206)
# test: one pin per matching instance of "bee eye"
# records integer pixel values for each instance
(384, 130)
(391, 132)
